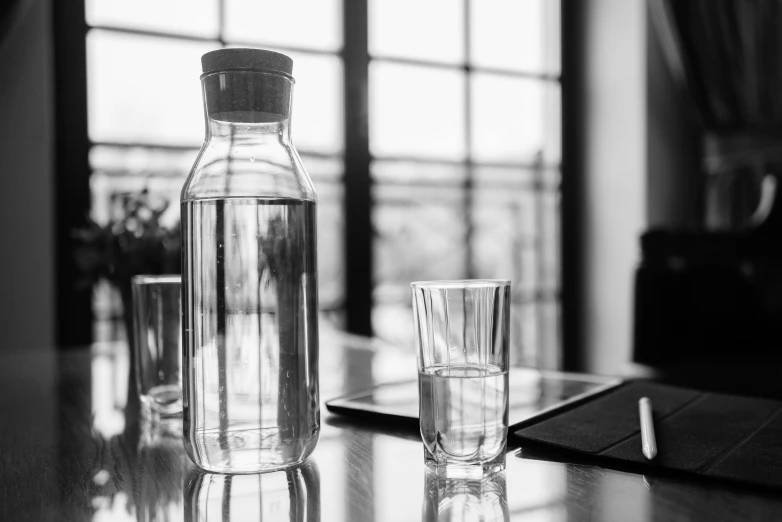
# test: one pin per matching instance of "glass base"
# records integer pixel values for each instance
(164, 400)
(157, 412)
(450, 468)
(248, 451)
(251, 470)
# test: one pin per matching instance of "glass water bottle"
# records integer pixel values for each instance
(249, 280)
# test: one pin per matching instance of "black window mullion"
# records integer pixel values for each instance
(358, 190)
(571, 251)
(469, 198)
(221, 22)
(73, 304)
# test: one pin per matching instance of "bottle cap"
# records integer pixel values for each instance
(251, 59)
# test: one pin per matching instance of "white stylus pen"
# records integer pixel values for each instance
(648, 442)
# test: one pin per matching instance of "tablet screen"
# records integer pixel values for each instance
(530, 393)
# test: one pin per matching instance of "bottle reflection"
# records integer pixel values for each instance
(162, 464)
(451, 500)
(292, 494)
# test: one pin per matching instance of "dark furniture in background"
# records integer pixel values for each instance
(708, 301)
(708, 309)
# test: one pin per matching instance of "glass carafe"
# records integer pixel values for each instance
(249, 280)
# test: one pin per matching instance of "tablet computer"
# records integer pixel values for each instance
(532, 395)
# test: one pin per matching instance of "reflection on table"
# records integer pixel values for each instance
(160, 452)
(77, 450)
(451, 500)
(289, 495)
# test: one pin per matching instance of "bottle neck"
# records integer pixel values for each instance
(246, 105)
(239, 133)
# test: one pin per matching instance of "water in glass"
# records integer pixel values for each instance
(464, 411)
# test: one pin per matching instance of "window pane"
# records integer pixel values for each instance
(521, 35)
(403, 28)
(548, 335)
(486, 176)
(317, 103)
(416, 111)
(311, 24)
(505, 235)
(143, 161)
(535, 334)
(191, 17)
(549, 231)
(317, 115)
(412, 172)
(323, 170)
(524, 334)
(515, 119)
(331, 262)
(419, 234)
(144, 89)
(326, 174)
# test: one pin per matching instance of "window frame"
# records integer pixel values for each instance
(72, 146)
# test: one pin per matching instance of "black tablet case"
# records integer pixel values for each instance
(709, 434)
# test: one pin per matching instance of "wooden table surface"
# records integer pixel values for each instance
(71, 448)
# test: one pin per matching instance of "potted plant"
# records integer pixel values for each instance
(133, 242)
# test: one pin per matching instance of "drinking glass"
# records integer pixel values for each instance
(158, 343)
(462, 343)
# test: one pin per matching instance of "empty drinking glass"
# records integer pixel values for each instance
(462, 350)
(157, 349)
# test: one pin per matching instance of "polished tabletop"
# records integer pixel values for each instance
(73, 447)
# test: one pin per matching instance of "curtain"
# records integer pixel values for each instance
(728, 56)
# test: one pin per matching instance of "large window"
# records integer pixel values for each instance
(464, 133)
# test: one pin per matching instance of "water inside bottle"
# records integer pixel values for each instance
(251, 328)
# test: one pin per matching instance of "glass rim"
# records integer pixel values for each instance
(461, 283)
(163, 279)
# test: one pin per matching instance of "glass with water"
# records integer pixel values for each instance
(462, 337)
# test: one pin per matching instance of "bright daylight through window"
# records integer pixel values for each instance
(464, 137)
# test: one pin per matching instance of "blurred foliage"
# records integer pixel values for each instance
(134, 242)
